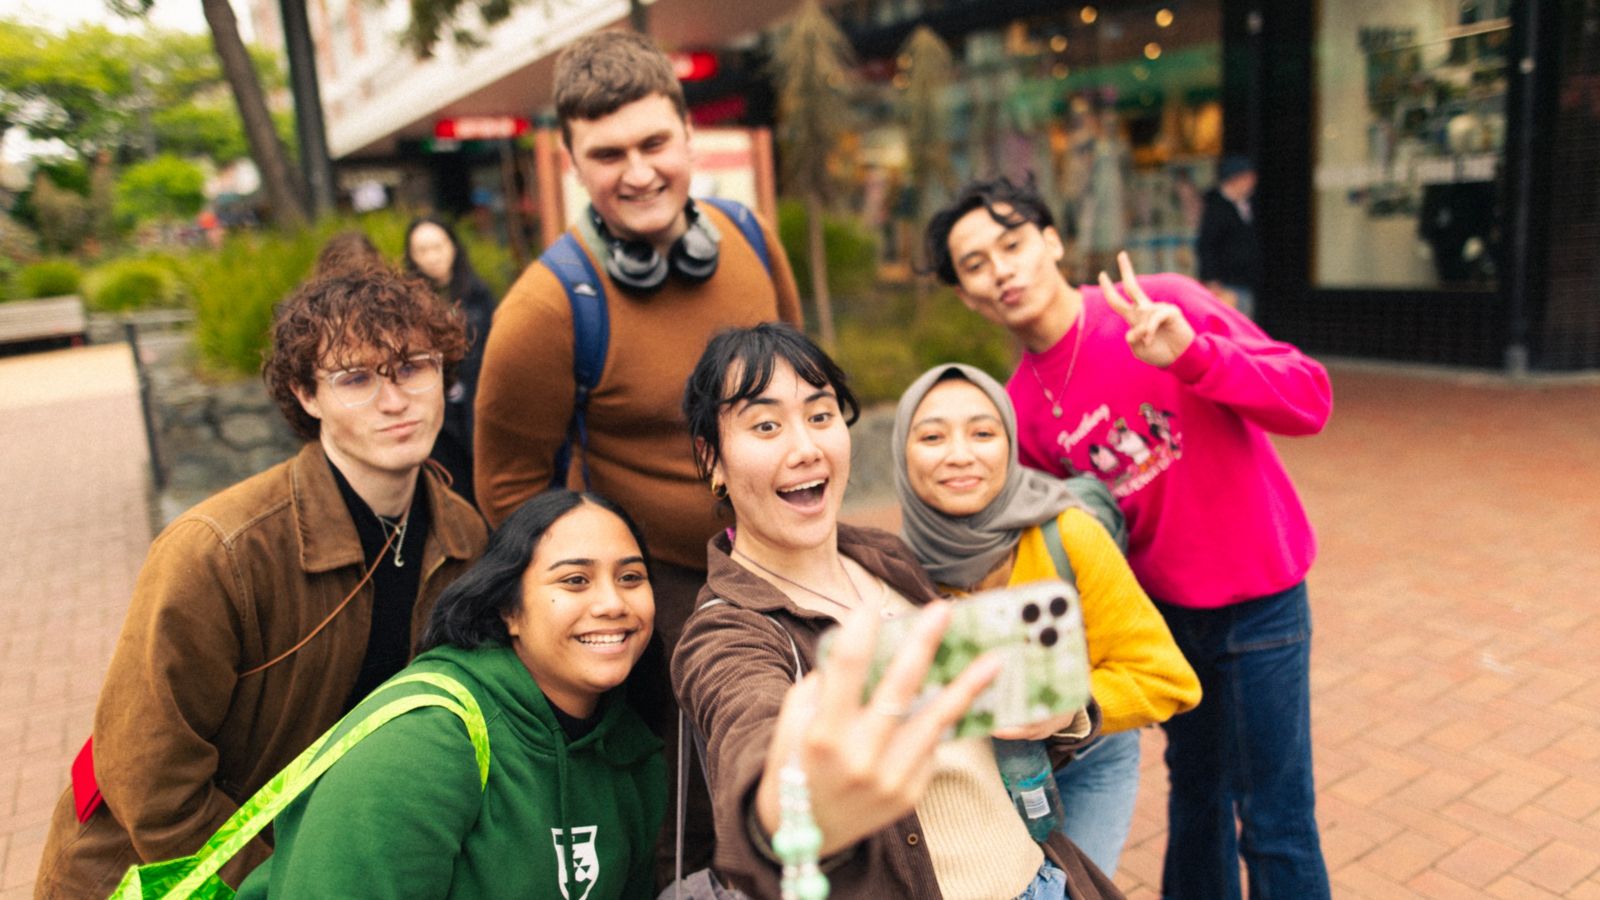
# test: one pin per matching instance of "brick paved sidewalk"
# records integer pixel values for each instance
(1456, 653)
(73, 472)
(1455, 669)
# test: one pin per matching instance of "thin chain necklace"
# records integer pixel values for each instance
(396, 532)
(1055, 400)
(848, 580)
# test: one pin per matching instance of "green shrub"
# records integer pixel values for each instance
(851, 251)
(952, 333)
(880, 363)
(49, 278)
(165, 188)
(236, 286)
(129, 284)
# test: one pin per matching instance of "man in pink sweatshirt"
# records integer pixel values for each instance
(1168, 396)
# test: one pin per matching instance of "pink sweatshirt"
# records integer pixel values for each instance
(1212, 516)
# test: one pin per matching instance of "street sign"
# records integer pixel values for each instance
(480, 128)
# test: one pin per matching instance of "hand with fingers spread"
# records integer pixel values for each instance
(866, 764)
(1157, 332)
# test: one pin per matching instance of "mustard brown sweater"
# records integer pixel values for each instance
(639, 449)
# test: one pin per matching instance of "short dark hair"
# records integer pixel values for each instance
(1022, 200)
(754, 353)
(603, 71)
(371, 308)
(471, 612)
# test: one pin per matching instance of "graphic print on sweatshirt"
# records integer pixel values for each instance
(1126, 456)
(579, 868)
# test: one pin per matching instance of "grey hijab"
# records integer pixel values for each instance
(959, 551)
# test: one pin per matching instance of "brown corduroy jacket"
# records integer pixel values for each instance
(731, 670)
(180, 739)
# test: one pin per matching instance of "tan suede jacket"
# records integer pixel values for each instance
(180, 740)
(731, 671)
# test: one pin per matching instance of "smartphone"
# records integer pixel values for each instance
(1037, 630)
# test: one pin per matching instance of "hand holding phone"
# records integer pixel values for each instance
(1037, 632)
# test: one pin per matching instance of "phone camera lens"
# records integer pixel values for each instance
(1058, 607)
(1030, 613)
(1047, 637)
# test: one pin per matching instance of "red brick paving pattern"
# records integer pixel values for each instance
(1456, 657)
(73, 472)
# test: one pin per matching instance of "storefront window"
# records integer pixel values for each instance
(1409, 142)
(1116, 113)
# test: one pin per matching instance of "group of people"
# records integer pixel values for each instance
(642, 630)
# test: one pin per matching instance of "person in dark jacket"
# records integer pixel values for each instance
(552, 633)
(1229, 251)
(434, 251)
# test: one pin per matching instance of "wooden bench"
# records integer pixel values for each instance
(50, 318)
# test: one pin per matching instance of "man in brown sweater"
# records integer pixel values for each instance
(266, 612)
(624, 123)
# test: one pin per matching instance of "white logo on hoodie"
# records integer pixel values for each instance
(582, 869)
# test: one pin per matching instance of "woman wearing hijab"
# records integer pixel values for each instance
(433, 250)
(977, 520)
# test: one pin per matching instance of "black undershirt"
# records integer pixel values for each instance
(574, 727)
(394, 588)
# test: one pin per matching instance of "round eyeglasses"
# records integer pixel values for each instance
(418, 374)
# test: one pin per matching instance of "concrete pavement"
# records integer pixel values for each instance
(1456, 657)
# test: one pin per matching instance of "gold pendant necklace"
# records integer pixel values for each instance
(1077, 344)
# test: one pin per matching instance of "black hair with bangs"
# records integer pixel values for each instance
(753, 353)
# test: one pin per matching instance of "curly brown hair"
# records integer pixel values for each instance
(344, 318)
(603, 71)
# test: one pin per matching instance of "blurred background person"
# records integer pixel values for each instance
(433, 250)
(1227, 246)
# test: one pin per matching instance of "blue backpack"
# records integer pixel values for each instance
(591, 323)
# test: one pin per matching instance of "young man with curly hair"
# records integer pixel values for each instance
(266, 612)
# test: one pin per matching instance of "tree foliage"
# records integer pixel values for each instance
(94, 89)
(812, 67)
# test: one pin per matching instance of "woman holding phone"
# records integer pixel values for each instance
(552, 633)
(977, 519)
(900, 814)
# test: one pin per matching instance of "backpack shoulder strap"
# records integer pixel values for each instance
(1051, 529)
(591, 334)
(1098, 501)
(748, 226)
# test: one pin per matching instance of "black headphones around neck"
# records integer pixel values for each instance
(637, 267)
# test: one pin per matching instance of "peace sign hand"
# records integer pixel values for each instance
(1157, 332)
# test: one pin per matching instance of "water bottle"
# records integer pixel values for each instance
(1025, 767)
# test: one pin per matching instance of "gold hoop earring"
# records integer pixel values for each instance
(718, 489)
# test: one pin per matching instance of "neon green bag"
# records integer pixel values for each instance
(196, 876)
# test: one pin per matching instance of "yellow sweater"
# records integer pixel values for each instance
(1138, 674)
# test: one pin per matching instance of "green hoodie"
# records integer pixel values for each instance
(402, 815)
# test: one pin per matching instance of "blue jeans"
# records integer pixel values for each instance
(1245, 751)
(1098, 789)
(1049, 884)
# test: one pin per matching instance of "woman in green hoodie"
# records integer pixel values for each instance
(551, 632)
